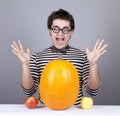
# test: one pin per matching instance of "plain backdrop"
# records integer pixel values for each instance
(26, 20)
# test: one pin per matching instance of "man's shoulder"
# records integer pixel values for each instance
(74, 49)
(42, 52)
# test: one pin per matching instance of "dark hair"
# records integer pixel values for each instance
(61, 14)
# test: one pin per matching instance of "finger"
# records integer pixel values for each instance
(14, 48)
(87, 51)
(16, 53)
(28, 51)
(15, 45)
(96, 44)
(103, 52)
(100, 44)
(104, 47)
(20, 45)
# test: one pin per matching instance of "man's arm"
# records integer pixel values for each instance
(27, 80)
(93, 81)
(99, 49)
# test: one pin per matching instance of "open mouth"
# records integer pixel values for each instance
(60, 42)
(60, 39)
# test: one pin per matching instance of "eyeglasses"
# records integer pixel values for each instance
(65, 30)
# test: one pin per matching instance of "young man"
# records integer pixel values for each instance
(61, 26)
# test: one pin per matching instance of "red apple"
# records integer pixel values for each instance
(31, 102)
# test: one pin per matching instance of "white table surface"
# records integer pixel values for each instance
(96, 110)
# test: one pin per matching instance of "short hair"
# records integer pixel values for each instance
(61, 14)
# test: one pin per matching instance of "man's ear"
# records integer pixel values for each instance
(49, 32)
(71, 34)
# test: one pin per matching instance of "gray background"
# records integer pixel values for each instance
(26, 20)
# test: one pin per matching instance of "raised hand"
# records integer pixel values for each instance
(18, 50)
(98, 50)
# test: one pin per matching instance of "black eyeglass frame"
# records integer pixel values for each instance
(64, 31)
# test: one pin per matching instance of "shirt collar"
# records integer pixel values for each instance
(63, 50)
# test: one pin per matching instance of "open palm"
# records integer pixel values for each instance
(18, 50)
(98, 50)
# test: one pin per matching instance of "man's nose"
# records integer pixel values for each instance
(61, 31)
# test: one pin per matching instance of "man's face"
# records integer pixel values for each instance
(60, 33)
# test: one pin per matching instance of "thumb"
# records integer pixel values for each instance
(28, 51)
(87, 51)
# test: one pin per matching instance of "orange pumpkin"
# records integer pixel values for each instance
(59, 85)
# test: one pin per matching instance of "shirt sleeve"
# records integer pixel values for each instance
(29, 92)
(92, 92)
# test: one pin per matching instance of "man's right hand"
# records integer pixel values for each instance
(18, 50)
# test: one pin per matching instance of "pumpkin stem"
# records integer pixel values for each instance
(60, 56)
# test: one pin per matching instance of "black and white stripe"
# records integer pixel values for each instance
(75, 56)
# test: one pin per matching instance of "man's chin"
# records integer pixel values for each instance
(59, 47)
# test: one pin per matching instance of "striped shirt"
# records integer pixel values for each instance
(74, 55)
